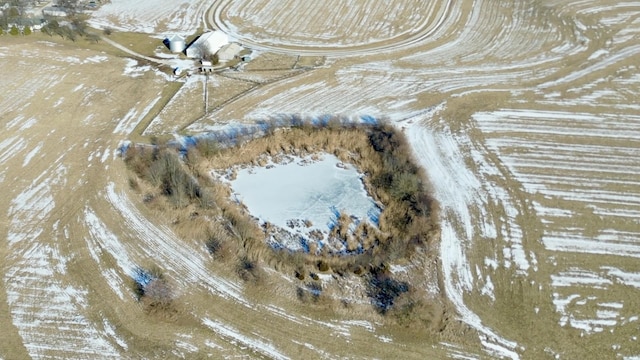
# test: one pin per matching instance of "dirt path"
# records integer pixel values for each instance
(133, 53)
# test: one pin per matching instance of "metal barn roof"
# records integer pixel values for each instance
(207, 44)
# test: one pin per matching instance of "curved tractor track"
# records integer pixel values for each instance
(523, 114)
(428, 25)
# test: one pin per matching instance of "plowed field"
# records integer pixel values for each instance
(523, 114)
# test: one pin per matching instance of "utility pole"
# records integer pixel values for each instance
(206, 93)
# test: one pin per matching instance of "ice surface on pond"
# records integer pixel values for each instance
(304, 189)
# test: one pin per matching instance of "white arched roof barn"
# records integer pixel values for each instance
(207, 44)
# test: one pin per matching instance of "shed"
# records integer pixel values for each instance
(207, 44)
(176, 43)
(229, 52)
(206, 66)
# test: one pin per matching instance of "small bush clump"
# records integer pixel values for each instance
(310, 292)
(214, 245)
(152, 288)
(384, 290)
(248, 270)
(162, 168)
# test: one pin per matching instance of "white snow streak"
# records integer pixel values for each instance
(175, 256)
(233, 334)
(455, 187)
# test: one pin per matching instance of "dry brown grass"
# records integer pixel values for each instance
(202, 209)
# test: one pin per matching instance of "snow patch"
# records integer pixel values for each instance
(256, 345)
(32, 153)
(111, 331)
(128, 123)
(133, 70)
(305, 189)
(455, 188)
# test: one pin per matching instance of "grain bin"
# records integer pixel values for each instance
(176, 44)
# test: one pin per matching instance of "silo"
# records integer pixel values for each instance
(176, 44)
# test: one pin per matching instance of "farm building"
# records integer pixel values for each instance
(176, 43)
(229, 52)
(207, 44)
(54, 11)
(206, 66)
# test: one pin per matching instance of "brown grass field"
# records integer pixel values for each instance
(408, 228)
(521, 116)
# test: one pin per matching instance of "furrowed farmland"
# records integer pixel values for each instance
(372, 179)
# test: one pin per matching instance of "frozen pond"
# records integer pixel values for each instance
(287, 194)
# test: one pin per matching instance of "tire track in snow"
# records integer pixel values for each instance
(424, 29)
(234, 336)
(582, 170)
(57, 327)
(185, 264)
(456, 189)
(556, 170)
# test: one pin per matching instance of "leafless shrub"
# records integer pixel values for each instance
(248, 270)
(358, 270)
(405, 186)
(207, 147)
(139, 158)
(310, 292)
(93, 37)
(163, 169)
(133, 183)
(158, 293)
(323, 266)
(384, 290)
(410, 310)
(152, 288)
(215, 246)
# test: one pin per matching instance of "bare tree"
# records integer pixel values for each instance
(71, 6)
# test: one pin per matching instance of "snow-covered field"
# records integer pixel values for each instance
(537, 179)
(152, 17)
(524, 116)
(292, 23)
